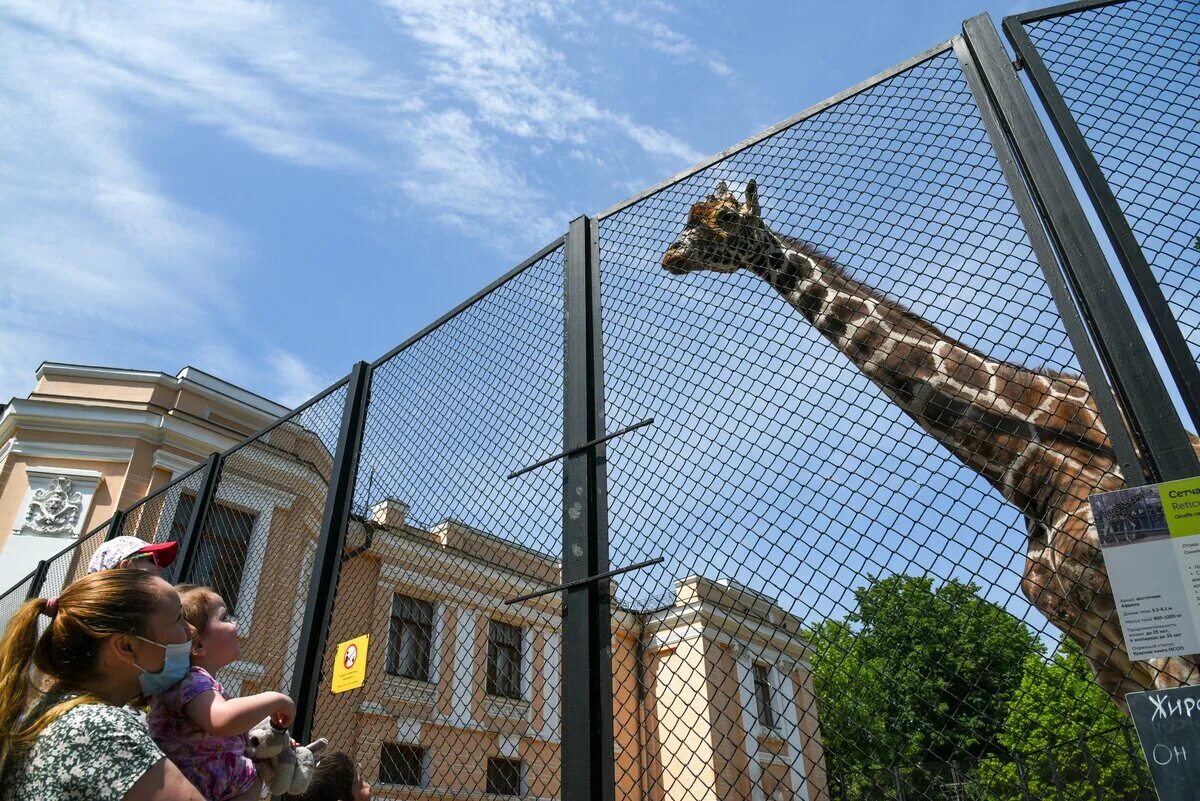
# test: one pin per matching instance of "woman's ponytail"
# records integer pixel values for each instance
(17, 687)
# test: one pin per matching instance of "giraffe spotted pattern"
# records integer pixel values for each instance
(1035, 436)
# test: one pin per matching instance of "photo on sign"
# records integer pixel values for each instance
(1129, 515)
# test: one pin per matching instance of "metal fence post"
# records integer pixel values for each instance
(197, 519)
(1161, 436)
(1132, 466)
(327, 558)
(1145, 288)
(39, 578)
(587, 734)
(115, 524)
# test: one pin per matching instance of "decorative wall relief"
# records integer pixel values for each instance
(55, 509)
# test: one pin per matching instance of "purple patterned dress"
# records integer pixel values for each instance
(218, 766)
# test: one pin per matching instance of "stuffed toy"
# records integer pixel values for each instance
(284, 769)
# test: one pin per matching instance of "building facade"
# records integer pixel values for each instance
(712, 691)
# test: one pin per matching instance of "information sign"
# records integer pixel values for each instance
(1151, 541)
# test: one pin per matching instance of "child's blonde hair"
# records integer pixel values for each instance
(198, 602)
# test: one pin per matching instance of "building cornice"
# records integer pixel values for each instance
(189, 378)
(65, 450)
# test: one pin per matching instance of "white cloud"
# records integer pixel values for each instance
(489, 55)
(103, 263)
(454, 169)
(670, 42)
(296, 381)
(100, 264)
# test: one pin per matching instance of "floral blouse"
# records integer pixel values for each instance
(94, 751)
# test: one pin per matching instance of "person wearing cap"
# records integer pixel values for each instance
(133, 552)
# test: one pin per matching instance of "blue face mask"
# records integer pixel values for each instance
(175, 667)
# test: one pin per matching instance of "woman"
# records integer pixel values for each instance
(111, 637)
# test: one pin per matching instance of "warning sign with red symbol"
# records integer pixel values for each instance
(350, 664)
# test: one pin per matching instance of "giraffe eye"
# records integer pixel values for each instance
(727, 216)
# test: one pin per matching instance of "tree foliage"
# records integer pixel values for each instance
(1057, 706)
(917, 677)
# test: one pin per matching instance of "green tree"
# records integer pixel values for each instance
(916, 676)
(1059, 704)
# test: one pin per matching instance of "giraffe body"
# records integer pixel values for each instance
(1035, 436)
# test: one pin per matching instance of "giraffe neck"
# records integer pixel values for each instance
(998, 419)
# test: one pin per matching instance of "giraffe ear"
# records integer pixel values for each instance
(752, 198)
(722, 189)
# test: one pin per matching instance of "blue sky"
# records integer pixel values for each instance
(271, 192)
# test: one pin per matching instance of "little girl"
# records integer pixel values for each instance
(196, 726)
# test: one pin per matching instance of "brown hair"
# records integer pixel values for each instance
(333, 779)
(89, 610)
(199, 602)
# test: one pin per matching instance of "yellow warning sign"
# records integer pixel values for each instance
(350, 664)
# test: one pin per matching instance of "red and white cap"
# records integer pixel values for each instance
(118, 549)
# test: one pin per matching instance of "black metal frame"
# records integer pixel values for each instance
(1161, 438)
(1085, 352)
(588, 772)
(1145, 288)
(327, 559)
(198, 518)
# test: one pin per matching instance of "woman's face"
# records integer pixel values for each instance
(164, 626)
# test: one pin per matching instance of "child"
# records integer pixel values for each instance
(337, 779)
(199, 729)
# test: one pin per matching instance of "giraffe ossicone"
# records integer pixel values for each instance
(1034, 435)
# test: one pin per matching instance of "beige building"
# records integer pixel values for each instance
(90, 439)
(712, 693)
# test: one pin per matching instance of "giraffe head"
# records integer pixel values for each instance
(722, 234)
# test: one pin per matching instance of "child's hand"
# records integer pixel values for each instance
(285, 713)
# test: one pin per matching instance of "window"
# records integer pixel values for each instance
(504, 659)
(410, 638)
(221, 553)
(504, 776)
(762, 694)
(402, 764)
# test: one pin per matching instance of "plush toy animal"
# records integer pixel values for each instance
(285, 769)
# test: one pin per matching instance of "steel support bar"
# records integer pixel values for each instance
(1146, 289)
(39, 578)
(587, 726)
(328, 556)
(1077, 331)
(628, 568)
(599, 440)
(199, 517)
(1160, 435)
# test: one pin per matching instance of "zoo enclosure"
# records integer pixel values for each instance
(707, 433)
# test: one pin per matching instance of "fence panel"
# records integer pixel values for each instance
(834, 482)
(160, 517)
(1130, 75)
(462, 689)
(255, 549)
(148, 519)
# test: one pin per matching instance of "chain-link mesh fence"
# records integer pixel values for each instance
(162, 516)
(462, 689)
(143, 519)
(866, 480)
(255, 549)
(1130, 75)
(869, 467)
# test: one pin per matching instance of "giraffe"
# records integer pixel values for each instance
(1034, 435)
